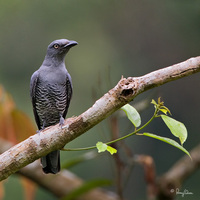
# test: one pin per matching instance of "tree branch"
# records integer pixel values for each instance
(174, 178)
(54, 137)
(56, 184)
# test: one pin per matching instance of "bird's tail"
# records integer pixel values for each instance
(51, 162)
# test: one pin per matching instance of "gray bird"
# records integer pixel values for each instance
(51, 92)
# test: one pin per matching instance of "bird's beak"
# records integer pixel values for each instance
(71, 43)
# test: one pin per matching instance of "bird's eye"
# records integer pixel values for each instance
(56, 46)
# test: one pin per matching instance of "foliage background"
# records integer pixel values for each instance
(129, 38)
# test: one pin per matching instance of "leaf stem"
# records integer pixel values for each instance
(121, 138)
(78, 149)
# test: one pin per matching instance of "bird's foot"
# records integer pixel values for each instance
(39, 131)
(62, 121)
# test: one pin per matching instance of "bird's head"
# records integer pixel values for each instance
(59, 48)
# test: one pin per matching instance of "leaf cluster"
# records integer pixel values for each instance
(177, 128)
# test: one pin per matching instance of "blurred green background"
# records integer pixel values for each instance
(129, 38)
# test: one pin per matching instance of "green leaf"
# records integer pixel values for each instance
(169, 141)
(132, 114)
(87, 186)
(165, 110)
(154, 102)
(177, 128)
(111, 150)
(101, 147)
(104, 147)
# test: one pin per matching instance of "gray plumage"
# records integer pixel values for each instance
(51, 92)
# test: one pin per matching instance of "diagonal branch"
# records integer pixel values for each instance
(180, 171)
(56, 184)
(63, 183)
(54, 137)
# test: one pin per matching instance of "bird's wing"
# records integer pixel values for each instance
(33, 83)
(69, 92)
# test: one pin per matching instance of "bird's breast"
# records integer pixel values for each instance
(51, 100)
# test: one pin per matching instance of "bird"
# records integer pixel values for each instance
(51, 92)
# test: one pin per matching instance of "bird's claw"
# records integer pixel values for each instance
(62, 121)
(38, 132)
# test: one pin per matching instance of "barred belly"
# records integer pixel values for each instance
(51, 100)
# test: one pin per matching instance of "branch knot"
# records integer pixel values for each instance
(127, 87)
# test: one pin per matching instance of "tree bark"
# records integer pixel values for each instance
(53, 138)
(61, 184)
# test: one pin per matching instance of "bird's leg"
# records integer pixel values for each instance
(43, 127)
(62, 121)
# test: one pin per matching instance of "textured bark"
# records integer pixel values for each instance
(61, 184)
(53, 138)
